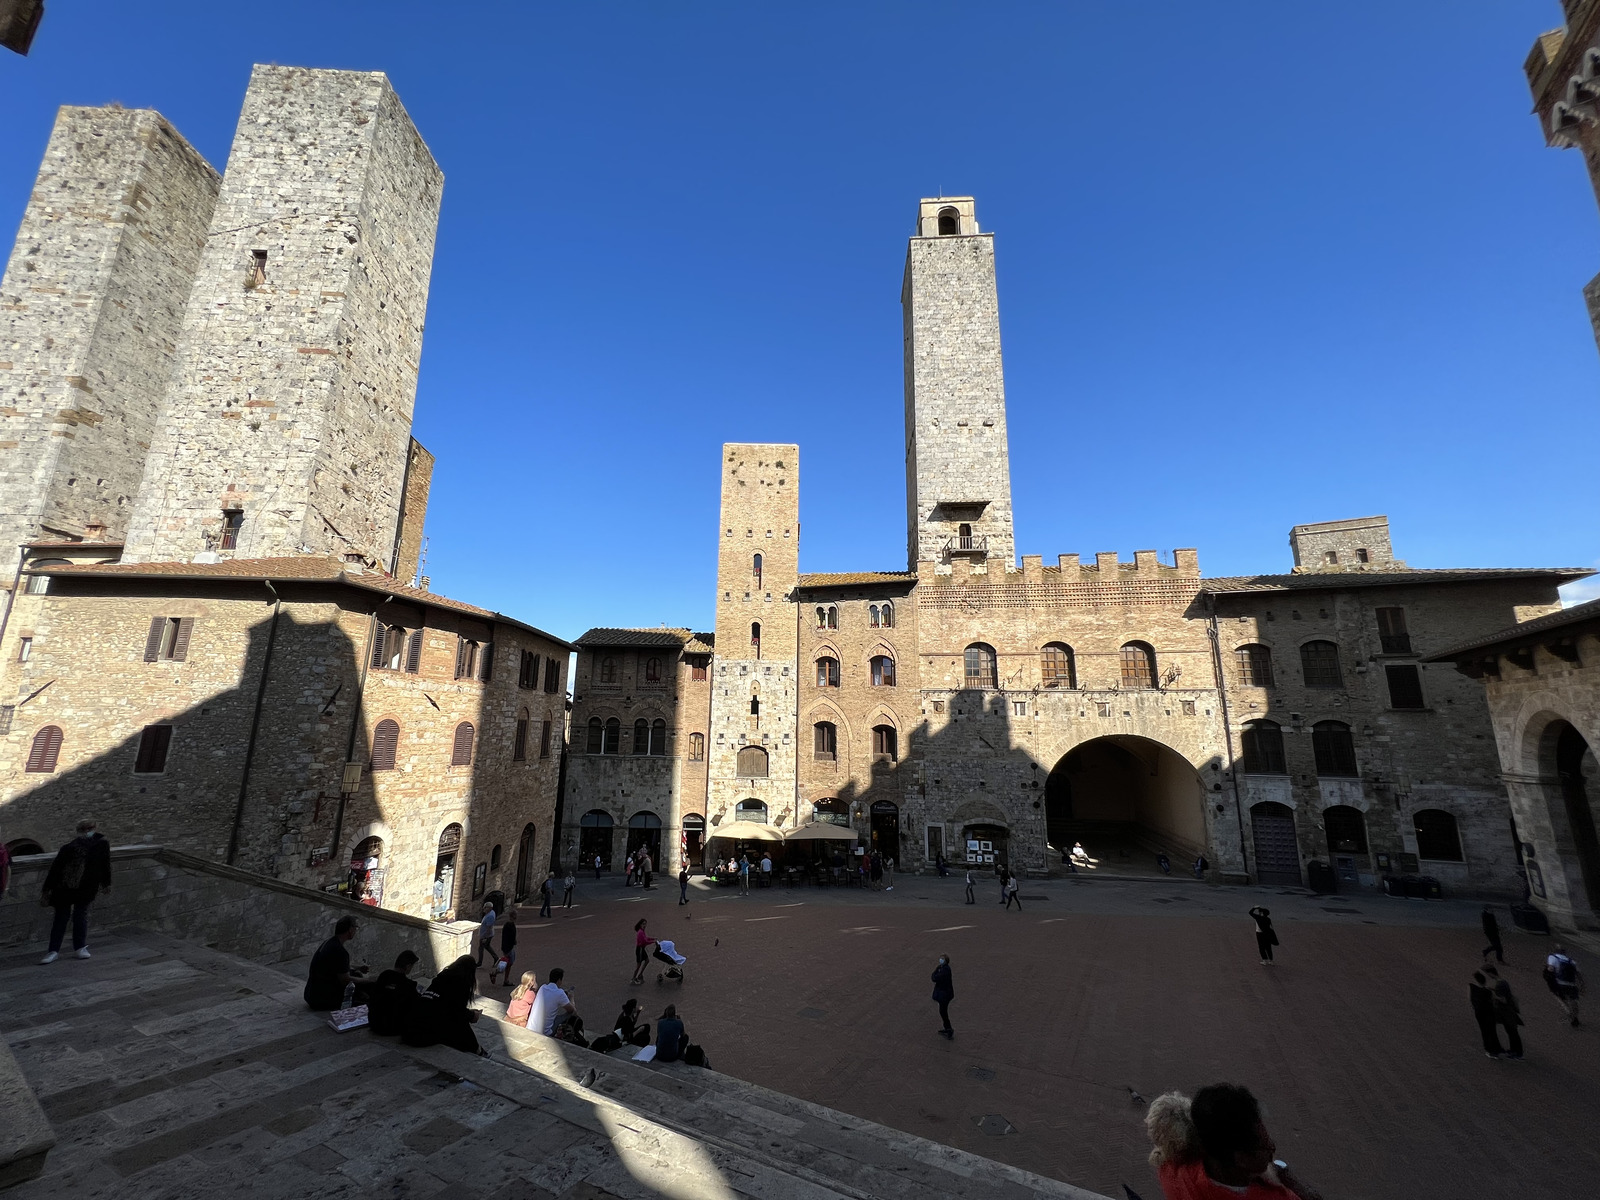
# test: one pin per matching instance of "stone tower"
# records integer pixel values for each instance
(958, 473)
(90, 309)
(754, 697)
(287, 428)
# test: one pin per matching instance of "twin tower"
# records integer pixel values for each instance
(199, 365)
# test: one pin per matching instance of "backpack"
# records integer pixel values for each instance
(694, 1056)
(74, 865)
(1566, 969)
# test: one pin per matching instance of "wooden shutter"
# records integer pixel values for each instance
(544, 740)
(461, 752)
(486, 662)
(45, 750)
(552, 675)
(154, 742)
(180, 644)
(152, 641)
(461, 655)
(414, 653)
(519, 745)
(380, 643)
(385, 743)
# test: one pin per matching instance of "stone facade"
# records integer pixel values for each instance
(641, 780)
(297, 365)
(90, 310)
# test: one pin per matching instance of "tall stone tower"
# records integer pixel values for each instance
(958, 473)
(754, 695)
(288, 424)
(90, 309)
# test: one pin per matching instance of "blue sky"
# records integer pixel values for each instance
(1259, 265)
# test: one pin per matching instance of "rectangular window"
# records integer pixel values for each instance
(519, 744)
(8, 713)
(528, 670)
(1102, 708)
(24, 649)
(257, 274)
(1405, 687)
(168, 639)
(552, 675)
(232, 522)
(698, 672)
(1392, 631)
(153, 745)
(544, 740)
(1019, 708)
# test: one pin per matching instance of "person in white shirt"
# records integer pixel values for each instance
(766, 869)
(552, 1006)
(486, 935)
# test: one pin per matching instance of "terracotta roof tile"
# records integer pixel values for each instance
(856, 578)
(1336, 580)
(659, 636)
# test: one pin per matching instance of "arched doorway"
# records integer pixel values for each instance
(444, 871)
(986, 845)
(832, 812)
(1277, 849)
(525, 845)
(594, 838)
(644, 829)
(1575, 768)
(1125, 796)
(885, 828)
(367, 871)
(694, 837)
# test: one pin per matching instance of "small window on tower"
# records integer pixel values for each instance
(232, 522)
(949, 222)
(1362, 556)
(257, 275)
(1331, 557)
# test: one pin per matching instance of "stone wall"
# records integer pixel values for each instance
(90, 309)
(262, 920)
(292, 396)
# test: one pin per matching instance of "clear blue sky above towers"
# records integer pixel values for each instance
(1258, 265)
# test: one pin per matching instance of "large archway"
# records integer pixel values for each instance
(1124, 795)
(1576, 774)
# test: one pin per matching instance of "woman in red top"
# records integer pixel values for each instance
(1216, 1147)
(642, 942)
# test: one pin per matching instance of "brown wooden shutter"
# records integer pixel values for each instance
(519, 746)
(385, 742)
(544, 740)
(461, 656)
(154, 742)
(380, 643)
(152, 641)
(486, 662)
(45, 750)
(461, 752)
(180, 644)
(414, 653)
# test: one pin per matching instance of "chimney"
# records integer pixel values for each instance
(94, 531)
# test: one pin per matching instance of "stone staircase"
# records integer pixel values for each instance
(170, 1070)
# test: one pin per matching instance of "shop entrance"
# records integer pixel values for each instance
(694, 838)
(886, 829)
(594, 838)
(644, 829)
(367, 871)
(525, 846)
(444, 871)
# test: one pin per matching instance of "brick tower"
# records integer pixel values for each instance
(90, 309)
(754, 696)
(958, 474)
(288, 423)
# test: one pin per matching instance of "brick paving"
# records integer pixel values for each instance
(1360, 1041)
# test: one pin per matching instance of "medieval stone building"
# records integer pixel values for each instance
(206, 391)
(987, 711)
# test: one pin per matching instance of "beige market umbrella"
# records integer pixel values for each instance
(750, 831)
(820, 831)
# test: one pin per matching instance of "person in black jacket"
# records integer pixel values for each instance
(632, 1031)
(391, 996)
(944, 991)
(444, 1016)
(1266, 935)
(1491, 931)
(81, 871)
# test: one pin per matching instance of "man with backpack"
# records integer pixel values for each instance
(1564, 980)
(82, 870)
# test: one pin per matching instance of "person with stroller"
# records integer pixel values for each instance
(642, 942)
(668, 953)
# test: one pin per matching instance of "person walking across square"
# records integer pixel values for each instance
(1013, 895)
(642, 942)
(486, 935)
(508, 949)
(744, 875)
(944, 991)
(80, 872)
(971, 899)
(570, 882)
(1491, 931)
(1561, 975)
(547, 888)
(683, 884)
(1266, 936)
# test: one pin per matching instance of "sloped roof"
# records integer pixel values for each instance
(1538, 629)
(856, 578)
(659, 636)
(287, 570)
(1329, 581)
(701, 643)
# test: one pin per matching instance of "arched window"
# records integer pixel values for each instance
(949, 222)
(827, 671)
(1255, 665)
(658, 736)
(1138, 665)
(697, 747)
(882, 671)
(885, 744)
(641, 736)
(385, 742)
(1335, 750)
(1438, 838)
(44, 752)
(827, 616)
(755, 707)
(755, 639)
(595, 819)
(752, 763)
(652, 670)
(980, 666)
(461, 747)
(825, 741)
(1346, 829)
(23, 846)
(1320, 663)
(608, 669)
(886, 615)
(613, 744)
(750, 810)
(519, 738)
(1056, 666)
(597, 733)
(494, 857)
(832, 812)
(755, 570)
(1262, 745)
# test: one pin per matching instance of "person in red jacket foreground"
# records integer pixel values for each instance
(1215, 1147)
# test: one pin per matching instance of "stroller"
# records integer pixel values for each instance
(668, 953)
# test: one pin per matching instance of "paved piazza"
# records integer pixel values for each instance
(1360, 1042)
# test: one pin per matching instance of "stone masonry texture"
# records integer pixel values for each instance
(90, 309)
(293, 393)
